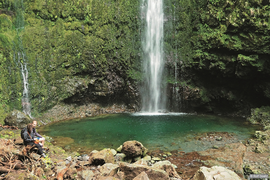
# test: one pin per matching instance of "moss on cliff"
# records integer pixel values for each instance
(216, 50)
(222, 49)
(64, 39)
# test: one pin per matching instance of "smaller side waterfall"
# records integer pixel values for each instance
(25, 98)
(176, 103)
(20, 57)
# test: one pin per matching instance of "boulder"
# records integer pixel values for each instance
(168, 167)
(108, 178)
(142, 162)
(262, 135)
(108, 169)
(119, 157)
(17, 118)
(142, 176)
(133, 149)
(113, 151)
(101, 157)
(156, 159)
(119, 149)
(256, 163)
(72, 171)
(215, 172)
(86, 174)
(133, 170)
(147, 158)
(229, 156)
(260, 148)
(260, 115)
(83, 158)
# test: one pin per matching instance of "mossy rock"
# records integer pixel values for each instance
(18, 119)
(260, 115)
(262, 136)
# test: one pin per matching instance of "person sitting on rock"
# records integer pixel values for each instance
(38, 136)
(28, 139)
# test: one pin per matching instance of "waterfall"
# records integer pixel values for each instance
(21, 57)
(25, 97)
(153, 95)
(176, 97)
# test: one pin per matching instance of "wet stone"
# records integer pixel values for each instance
(219, 138)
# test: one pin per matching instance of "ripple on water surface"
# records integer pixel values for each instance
(166, 131)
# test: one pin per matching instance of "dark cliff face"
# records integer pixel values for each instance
(84, 52)
(223, 65)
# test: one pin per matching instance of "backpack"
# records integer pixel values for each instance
(22, 131)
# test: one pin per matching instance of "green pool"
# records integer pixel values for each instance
(163, 131)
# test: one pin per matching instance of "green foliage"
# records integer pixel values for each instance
(3, 113)
(252, 60)
(136, 75)
(62, 40)
(6, 23)
(47, 162)
(7, 5)
(216, 2)
(227, 27)
(7, 134)
(91, 39)
(204, 95)
(5, 43)
(178, 31)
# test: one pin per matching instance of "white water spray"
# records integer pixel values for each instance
(25, 99)
(152, 98)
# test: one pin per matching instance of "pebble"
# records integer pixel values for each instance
(113, 152)
(156, 159)
(219, 138)
(68, 158)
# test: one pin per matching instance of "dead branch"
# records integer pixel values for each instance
(5, 170)
(17, 165)
(9, 127)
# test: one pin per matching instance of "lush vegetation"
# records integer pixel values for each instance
(222, 49)
(64, 43)
(82, 49)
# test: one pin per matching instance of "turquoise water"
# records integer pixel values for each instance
(166, 132)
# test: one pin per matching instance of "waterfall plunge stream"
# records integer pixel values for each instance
(20, 57)
(152, 99)
(25, 99)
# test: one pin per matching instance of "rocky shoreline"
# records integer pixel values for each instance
(243, 158)
(65, 111)
(130, 161)
(133, 161)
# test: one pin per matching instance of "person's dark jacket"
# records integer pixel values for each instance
(29, 140)
(26, 138)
